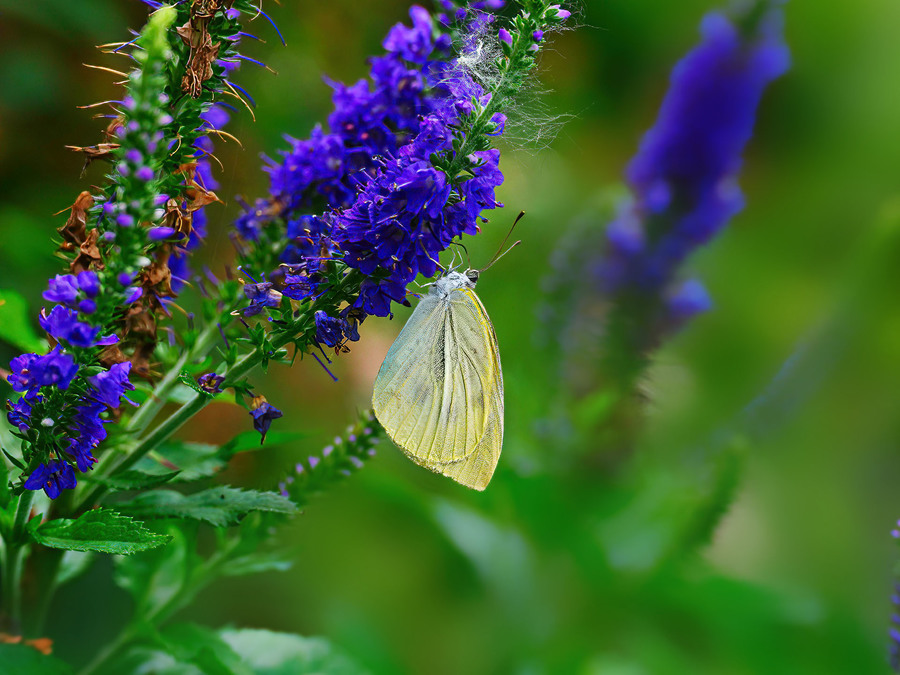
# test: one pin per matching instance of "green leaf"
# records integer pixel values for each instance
(219, 506)
(101, 530)
(255, 563)
(138, 480)
(149, 661)
(202, 460)
(5, 495)
(202, 647)
(154, 578)
(15, 323)
(188, 380)
(249, 440)
(25, 660)
(192, 460)
(269, 653)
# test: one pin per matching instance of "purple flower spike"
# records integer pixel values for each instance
(684, 176)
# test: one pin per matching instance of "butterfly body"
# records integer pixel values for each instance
(439, 393)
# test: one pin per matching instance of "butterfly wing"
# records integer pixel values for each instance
(439, 393)
(478, 342)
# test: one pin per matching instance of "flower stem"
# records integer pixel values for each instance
(12, 562)
(151, 407)
(177, 419)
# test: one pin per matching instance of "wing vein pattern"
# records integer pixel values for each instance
(439, 393)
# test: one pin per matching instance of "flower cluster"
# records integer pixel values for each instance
(407, 166)
(371, 118)
(684, 178)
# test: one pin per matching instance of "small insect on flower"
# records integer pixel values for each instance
(439, 392)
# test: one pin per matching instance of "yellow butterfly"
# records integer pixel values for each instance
(439, 393)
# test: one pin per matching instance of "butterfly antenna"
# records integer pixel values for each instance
(498, 254)
(463, 247)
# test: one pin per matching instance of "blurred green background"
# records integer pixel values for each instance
(554, 569)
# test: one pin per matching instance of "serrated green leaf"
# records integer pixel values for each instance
(101, 530)
(25, 660)
(270, 653)
(219, 506)
(138, 480)
(15, 323)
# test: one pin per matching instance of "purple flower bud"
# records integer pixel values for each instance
(134, 156)
(133, 294)
(125, 278)
(537, 35)
(89, 283)
(688, 300)
(160, 233)
(87, 306)
(263, 414)
(123, 169)
(124, 220)
(561, 14)
(145, 173)
(504, 36)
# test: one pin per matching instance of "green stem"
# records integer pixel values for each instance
(12, 561)
(189, 590)
(176, 420)
(48, 574)
(151, 407)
